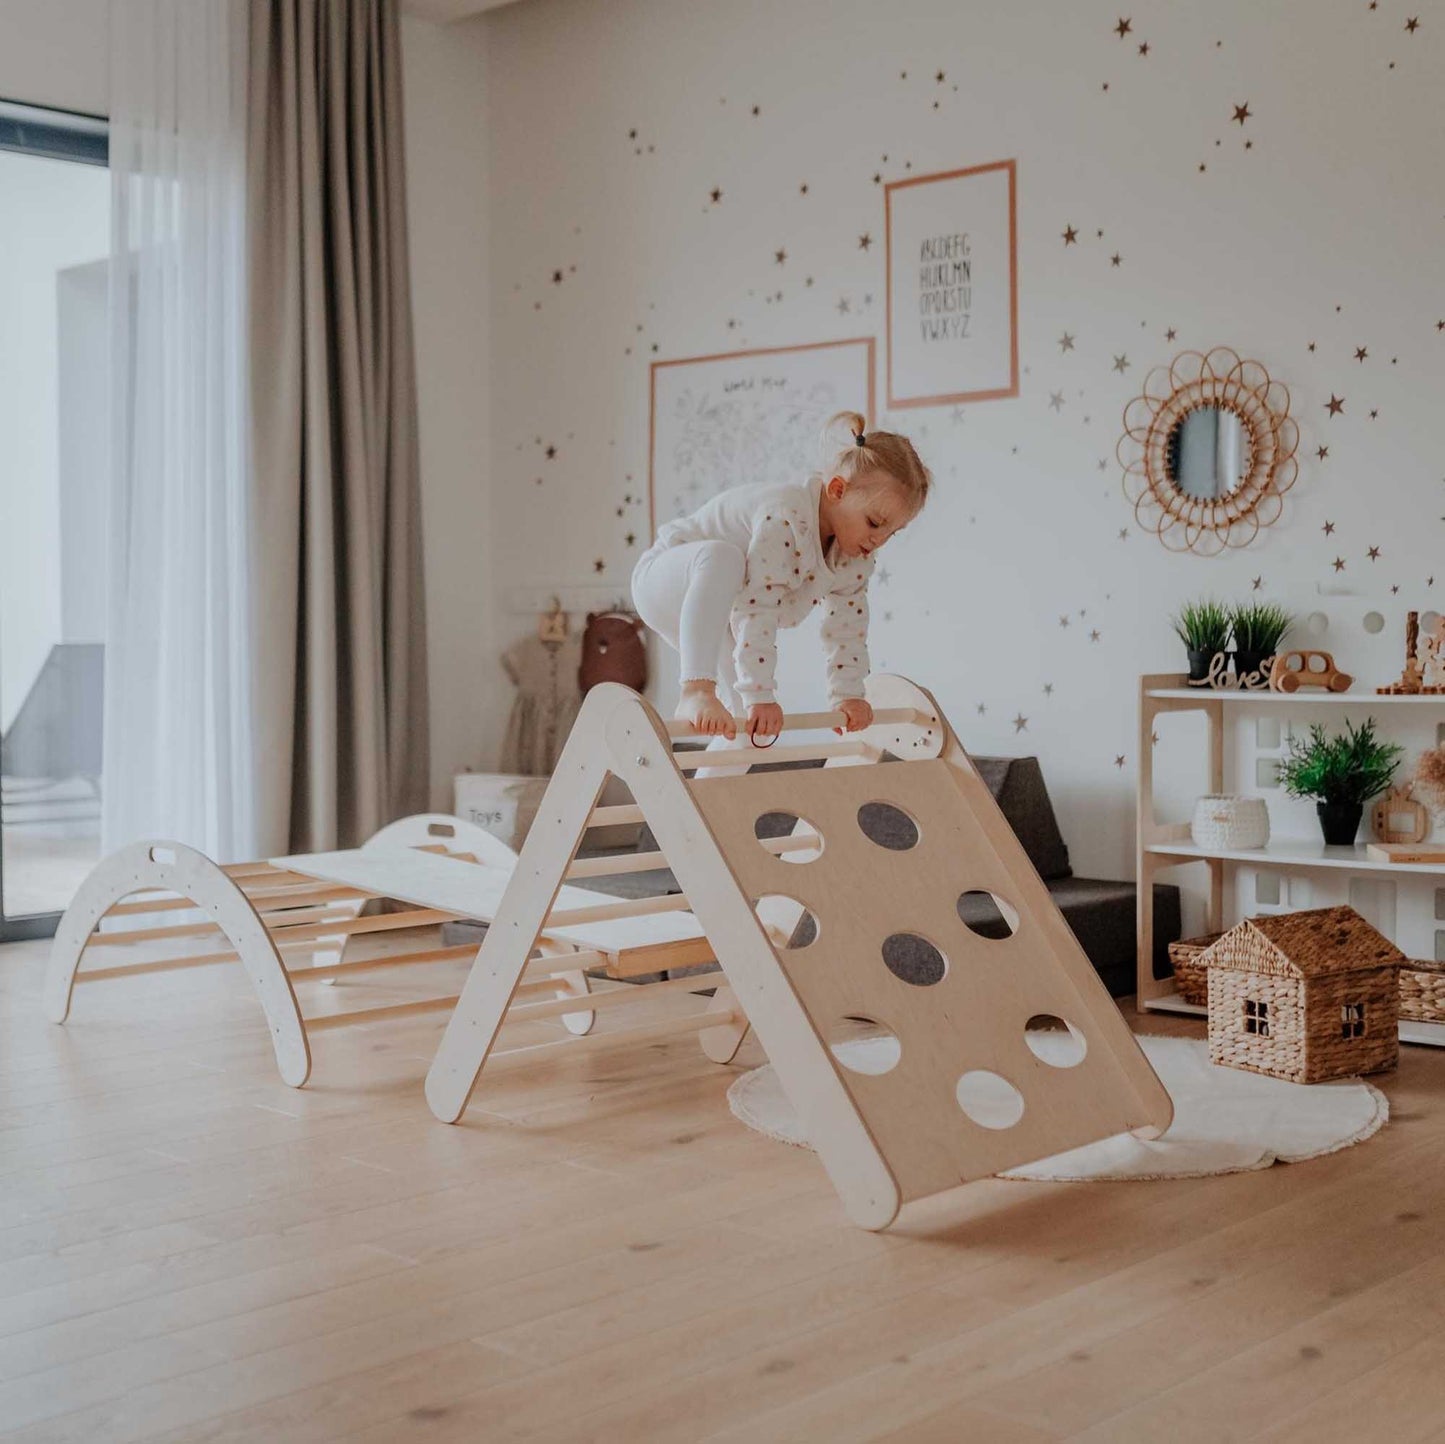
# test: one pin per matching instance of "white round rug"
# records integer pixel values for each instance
(1225, 1120)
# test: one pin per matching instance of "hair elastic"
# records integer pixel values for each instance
(858, 438)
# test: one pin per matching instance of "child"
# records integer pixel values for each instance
(718, 584)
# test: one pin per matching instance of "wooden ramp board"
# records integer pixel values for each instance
(887, 1138)
(469, 890)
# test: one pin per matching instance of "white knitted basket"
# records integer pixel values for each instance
(1226, 823)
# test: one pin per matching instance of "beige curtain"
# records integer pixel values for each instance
(339, 618)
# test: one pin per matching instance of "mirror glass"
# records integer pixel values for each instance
(1207, 458)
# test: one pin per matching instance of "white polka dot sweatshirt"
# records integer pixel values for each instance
(787, 575)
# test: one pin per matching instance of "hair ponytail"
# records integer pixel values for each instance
(885, 453)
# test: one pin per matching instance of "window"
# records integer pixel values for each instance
(54, 270)
(1352, 1020)
(1256, 1017)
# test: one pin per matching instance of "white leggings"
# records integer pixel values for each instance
(685, 593)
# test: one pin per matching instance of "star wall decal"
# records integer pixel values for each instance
(780, 256)
(982, 708)
(1094, 636)
(715, 194)
(1121, 364)
(1257, 583)
(1335, 405)
(1021, 723)
(1144, 48)
(1123, 533)
(1115, 259)
(631, 538)
(1361, 353)
(1339, 564)
(1374, 554)
(1056, 400)
(556, 278)
(1412, 24)
(1241, 113)
(1119, 760)
(1063, 621)
(1123, 27)
(1071, 236)
(1322, 452)
(1048, 689)
(864, 241)
(599, 565)
(1329, 528)
(1066, 342)
(551, 453)
(1170, 334)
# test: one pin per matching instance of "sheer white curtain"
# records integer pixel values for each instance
(178, 737)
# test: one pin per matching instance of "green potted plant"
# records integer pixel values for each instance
(1258, 629)
(1203, 627)
(1342, 773)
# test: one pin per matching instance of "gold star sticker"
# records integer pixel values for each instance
(1094, 636)
(803, 189)
(1066, 342)
(1121, 364)
(1170, 334)
(1412, 24)
(1020, 722)
(631, 538)
(716, 195)
(939, 77)
(1329, 528)
(556, 278)
(1056, 400)
(1257, 583)
(1123, 27)
(1063, 621)
(843, 307)
(1071, 236)
(1123, 533)
(1322, 452)
(1339, 564)
(982, 708)
(599, 565)
(1144, 48)
(1115, 259)
(1335, 405)
(1119, 760)
(1048, 689)
(1360, 353)
(1241, 113)
(864, 241)
(1374, 554)
(780, 256)
(551, 453)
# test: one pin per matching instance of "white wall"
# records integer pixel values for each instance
(446, 101)
(56, 52)
(1322, 236)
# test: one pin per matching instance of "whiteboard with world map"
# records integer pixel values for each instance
(748, 416)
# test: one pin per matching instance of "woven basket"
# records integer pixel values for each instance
(1190, 980)
(1422, 991)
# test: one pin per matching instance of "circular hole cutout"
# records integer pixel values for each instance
(863, 1045)
(1374, 623)
(888, 826)
(987, 914)
(989, 1100)
(1317, 624)
(775, 830)
(789, 924)
(913, 959)
(1053, 1041)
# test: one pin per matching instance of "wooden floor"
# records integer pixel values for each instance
(190, 1251)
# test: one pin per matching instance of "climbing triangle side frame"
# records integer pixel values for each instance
(888, 1137)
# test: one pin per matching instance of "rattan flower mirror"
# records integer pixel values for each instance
(1208, 451)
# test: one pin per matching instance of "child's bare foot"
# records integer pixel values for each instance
(700, 707)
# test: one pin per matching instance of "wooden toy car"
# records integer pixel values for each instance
(1293, 670)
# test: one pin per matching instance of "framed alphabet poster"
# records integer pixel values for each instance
(748, 416)
(952, 287)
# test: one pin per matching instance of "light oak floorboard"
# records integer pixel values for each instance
(190, 1252)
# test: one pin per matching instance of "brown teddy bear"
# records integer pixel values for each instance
(613, 650)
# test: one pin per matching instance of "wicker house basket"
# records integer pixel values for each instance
(1422, 991)
(1191, 981)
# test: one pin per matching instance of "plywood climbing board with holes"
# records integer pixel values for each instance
(963, 1094)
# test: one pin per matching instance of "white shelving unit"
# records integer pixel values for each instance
(1166, 845)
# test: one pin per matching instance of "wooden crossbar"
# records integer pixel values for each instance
(737, 758)
(815, 721)
(642, 1033)
(627, 908)
(616, 997)
(396, 960)
(289, 896)
(391, 1010)
(647, 861)
(287, 934)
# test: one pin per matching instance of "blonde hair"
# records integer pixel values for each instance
(880, 452)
